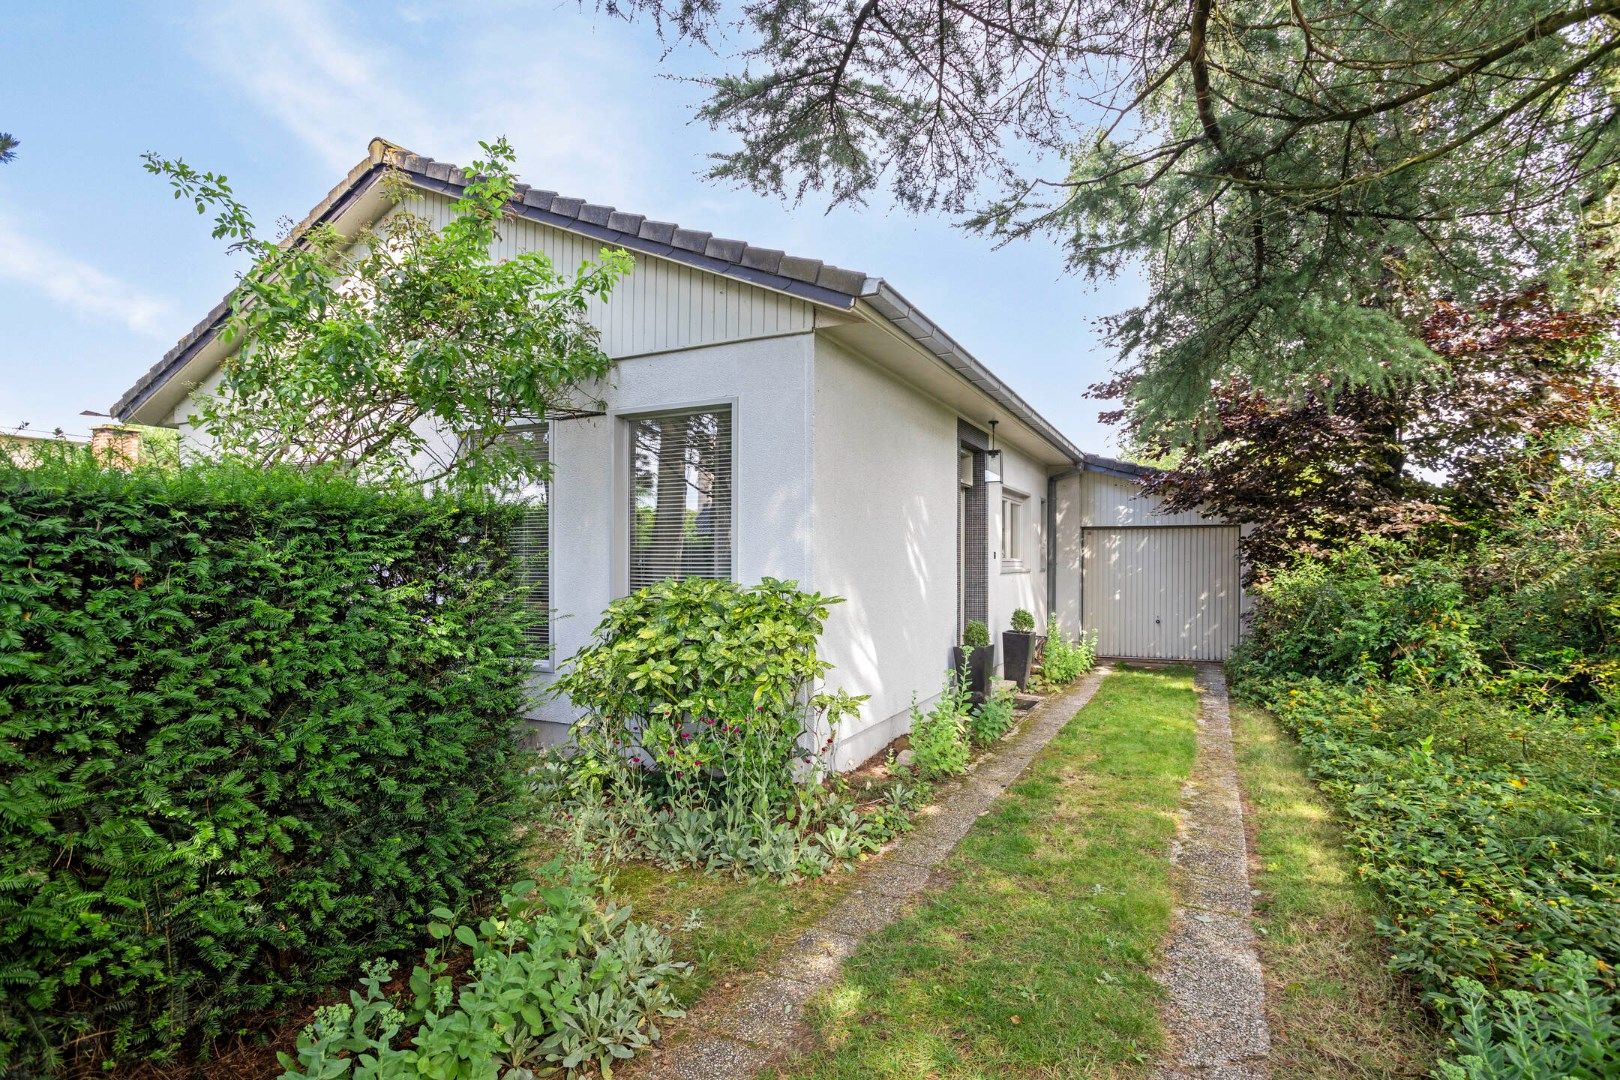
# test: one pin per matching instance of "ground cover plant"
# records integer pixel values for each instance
(254, 727)
(557, 980)
(1037, 957)
(704, 735)
(1459, 706)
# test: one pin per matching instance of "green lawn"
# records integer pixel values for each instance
(1036, 960)
(1334, 1007)
(723, 926)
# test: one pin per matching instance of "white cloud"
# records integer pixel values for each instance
(570, 95)
(316, 76)
(78, 286)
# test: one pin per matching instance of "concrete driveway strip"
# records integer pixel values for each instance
(1216, 1012)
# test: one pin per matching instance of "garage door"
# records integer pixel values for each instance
(1162, 592)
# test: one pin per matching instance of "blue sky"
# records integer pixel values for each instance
(101, 271)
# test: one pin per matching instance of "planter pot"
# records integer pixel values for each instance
(975, 670)
(1017, 651)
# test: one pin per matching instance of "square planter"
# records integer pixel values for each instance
(975, 670)
(1017, 653)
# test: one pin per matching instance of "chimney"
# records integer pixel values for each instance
(116, 446)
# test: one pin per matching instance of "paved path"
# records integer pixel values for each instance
(1216, 1015)
(735, 1039)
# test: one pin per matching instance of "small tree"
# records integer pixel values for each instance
(403, 354)
(1319, 470)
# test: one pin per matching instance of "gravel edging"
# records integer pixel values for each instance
(734, 1039)
(1216, 1013)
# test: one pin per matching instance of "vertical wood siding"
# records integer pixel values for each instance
(1169, 593)
(661, 305)
(1116, 500)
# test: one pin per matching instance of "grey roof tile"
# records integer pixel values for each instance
(595, 215)
(766, 259)
(566, 207)
(659, 232)
(540, 200)
(724, 250)
(849, 282)
(619, 221)
(799, 269)
(438, 170)
(690, 239)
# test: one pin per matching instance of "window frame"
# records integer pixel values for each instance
(1012, 555)
(623, 485)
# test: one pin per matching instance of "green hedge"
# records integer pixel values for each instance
(253, 728)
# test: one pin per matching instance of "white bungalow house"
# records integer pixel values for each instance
(829, 433)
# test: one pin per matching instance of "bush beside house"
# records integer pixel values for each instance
(254, 728)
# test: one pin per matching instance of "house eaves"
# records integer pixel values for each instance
(808, 279)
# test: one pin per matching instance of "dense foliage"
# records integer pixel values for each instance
(1462, 706)
(939, 738)
(559, 979)
(1311, 472)
(704, 732)
(253, 727)
(405, 352)
(1062, 660)
(1280, 168)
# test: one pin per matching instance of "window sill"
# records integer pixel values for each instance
(1008, 567)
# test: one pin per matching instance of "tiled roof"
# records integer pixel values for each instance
(808, 278)
(641, 233)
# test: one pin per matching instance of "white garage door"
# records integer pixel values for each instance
(1162, 592)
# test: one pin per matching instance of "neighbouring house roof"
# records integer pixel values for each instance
(810, 279)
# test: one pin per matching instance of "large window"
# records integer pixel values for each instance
(680, 496)
(531, 540)
(1012, 532)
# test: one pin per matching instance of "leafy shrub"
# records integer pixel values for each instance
(1022, 621)
(991, 720)
(975, 635)
(939, 737)
(1372, 611)
(1064, 661)
(253, 727)
(700, 744)
(558, 980)
(1572, 1030)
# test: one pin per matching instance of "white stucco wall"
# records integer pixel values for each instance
(885, 540)
(1066, 569)
(1014, 587)
(767, 383)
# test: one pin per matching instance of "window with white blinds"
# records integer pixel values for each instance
(530, 541)
(680, 496)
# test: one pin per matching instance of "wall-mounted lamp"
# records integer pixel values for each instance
(992, 458)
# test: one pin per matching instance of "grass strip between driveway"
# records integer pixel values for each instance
(1335, 1008)
(1037, 957)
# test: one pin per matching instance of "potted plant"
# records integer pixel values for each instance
(974, 659)
(1017, 648)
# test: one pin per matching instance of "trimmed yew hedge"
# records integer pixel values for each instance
(253, 728)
